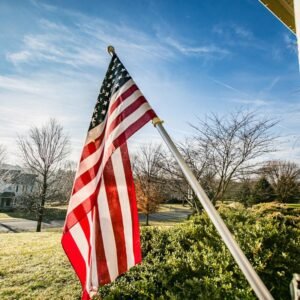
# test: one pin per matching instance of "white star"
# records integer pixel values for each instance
(120, 77)
(105, 102)
(107, 93)
(103, 112)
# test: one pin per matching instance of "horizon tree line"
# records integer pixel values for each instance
(223, 153)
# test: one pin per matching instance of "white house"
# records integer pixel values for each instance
(14, 182)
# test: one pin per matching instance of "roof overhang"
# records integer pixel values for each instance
(288, 12)
(283, 10)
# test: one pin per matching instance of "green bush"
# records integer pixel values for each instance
(190, 261)
(263, 191)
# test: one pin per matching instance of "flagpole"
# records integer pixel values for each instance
(255, 282)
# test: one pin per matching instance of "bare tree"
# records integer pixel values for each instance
(148, 179)
(232, 144)
(3, 154)
(284, 177)
(198, 161)
(62, 188)
(42, 151)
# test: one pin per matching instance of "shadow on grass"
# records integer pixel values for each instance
(10, 229)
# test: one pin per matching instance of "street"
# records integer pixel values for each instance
(173, 215)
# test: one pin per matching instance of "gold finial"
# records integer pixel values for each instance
(156, 121)
(111, 50)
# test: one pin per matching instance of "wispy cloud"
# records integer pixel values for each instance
(229, 87)
(205, 51)
(233, 31)
(290, 43)
(255, 102)
(17, 84)
(259, 98)
(56, 44)
(80, 43)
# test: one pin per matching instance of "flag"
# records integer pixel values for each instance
(101, 231)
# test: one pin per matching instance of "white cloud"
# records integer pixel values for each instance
(229, 87)
(232, 31)
(69, 60)
(81, 43)
(242, 32)
(256, 102)
(206, 51)
(290, 43)
(32, 101)
(18, 57)
(16, 84)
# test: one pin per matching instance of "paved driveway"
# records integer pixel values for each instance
(17, 225)
(173, 215)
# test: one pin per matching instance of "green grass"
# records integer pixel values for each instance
(172, 207)
(293, 205)
(34, 266)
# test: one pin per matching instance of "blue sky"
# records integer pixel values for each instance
(189, 58)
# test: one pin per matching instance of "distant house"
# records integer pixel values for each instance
(14, 182)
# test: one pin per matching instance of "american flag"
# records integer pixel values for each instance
(101, 232)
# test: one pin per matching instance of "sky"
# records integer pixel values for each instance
(189, 58)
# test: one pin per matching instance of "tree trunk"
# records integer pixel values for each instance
(41, 208)
(147, 219)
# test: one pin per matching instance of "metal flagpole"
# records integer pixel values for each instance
(256, 283)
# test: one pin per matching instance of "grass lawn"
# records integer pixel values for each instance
(34, 266)
(293, 205)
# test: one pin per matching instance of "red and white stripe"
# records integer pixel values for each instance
(101, 234)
